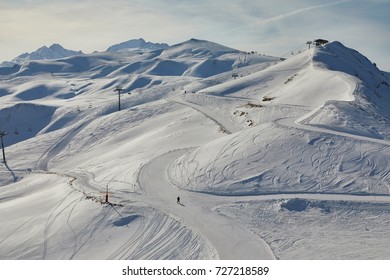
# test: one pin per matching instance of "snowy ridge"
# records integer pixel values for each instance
(271, 159)
(369, 86)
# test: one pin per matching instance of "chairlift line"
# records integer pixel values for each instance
(2, 134)
(119, 89)
(293, 52)
(28, 123)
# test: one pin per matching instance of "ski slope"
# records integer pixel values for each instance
(271, 159)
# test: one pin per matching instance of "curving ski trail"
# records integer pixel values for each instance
(231, 240)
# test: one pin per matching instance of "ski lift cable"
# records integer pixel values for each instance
(30, 122)
(294, 50)
(26, 123)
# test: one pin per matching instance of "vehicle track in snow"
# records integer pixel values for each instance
(17, 229)
(89, 231)
(226, 124)
(291, 122)
(124, 251)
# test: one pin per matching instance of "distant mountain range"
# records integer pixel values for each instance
(56, 51)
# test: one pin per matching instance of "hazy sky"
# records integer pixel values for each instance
(273, 27)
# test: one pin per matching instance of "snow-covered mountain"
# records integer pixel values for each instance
(55, 51)
(137, 44)
(287, 158)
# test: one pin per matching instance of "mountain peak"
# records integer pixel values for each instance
(55, 51)
(56, 46)
(335, 56)
(137, 44)
(198, 48)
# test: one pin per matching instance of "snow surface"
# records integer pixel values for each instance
(271, 159)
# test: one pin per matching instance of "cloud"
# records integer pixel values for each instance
(272, 27)
(272, 20)
(299, 11)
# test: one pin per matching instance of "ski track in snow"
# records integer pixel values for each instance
(58, 210)
(56, 148)
(151, 238)
(231, 240)
(253, 248)
(226, 124)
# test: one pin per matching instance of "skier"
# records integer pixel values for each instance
(178, 200)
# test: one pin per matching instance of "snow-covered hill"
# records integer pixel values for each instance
(271, 158)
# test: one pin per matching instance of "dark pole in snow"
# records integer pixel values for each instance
(119, 89)
(2, 134)
(107, 194)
